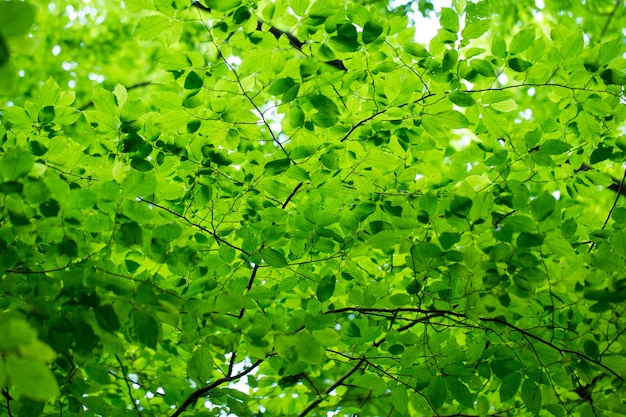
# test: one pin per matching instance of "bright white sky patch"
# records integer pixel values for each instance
(425, 27)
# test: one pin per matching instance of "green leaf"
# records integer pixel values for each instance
(346, 39)
(509, 386)
(588, 126)
(281, 85)
(444, 121)
(542, 206)
(326, 288)
(147, 328)
(223, 5)
(200, 365)
(447, 239)
(425, 251)
(151, 27)
(33, 379)
(16, 164)
(498, 47)
(531, 396)
(522, 40)
(400, 398)
(193, 81)
(591, 349)
(437, 392)
(49, 92)
(482, 406)
(554, 147)
(461, 206)
(324, 104)
(519, 65)
(527, 240)
(475, 29)
(460, 392)
(597, 107)
(309, 349)
(16, 332)
(16, 18)
(167, 232)
(461, 99)
(107, 318)
(273, 258)
(371, 31)
(277, 166)
(449, 20)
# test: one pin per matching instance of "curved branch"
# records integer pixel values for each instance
(294, 41)
(128, 385)
(200, 392)
(453, 314)
(330, 389)
(204, 229)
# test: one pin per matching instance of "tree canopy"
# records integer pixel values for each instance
(292, 207)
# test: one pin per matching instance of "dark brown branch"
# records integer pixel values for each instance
(129, 386)
(255, 269)
(567, 87)
(30, 271)
(330, 389)
(200, 392)
(295, 190)
(616, 185)
(378, 113)
(453, 314)
(553, 346)
(294, 41)
(5, 394)
(204, 229)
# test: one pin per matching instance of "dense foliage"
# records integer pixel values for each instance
(291, 207)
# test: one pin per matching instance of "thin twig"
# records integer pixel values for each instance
(43, 271)
(204, 229)
(129, 386)
(607, 23)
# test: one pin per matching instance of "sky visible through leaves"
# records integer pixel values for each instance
(312, 208)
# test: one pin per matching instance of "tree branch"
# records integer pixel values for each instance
(128, 385)
(200, 392)
(616, 185)
(330, 389)
(295, 190)
(607, 22)
(449, 314)
(43, 271)
(5, 394)
(294, 41)
(204, 229)
(378, 113)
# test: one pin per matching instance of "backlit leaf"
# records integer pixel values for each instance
(273, 258)
(200, 365)
(522, 40)
(33, 379)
